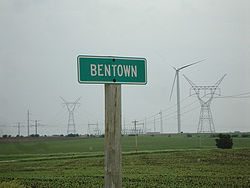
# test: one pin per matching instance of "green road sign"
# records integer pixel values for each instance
(111, 70)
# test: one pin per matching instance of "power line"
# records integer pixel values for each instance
(241, 95)
(174, 112)
(167, 109)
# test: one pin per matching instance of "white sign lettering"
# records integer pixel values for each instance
(93, 70)
(113, 70)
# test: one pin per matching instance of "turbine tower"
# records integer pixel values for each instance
(205, 95)
(176, 77)
(71, 107)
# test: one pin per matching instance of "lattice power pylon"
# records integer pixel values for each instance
(71, 106)
(205, 95)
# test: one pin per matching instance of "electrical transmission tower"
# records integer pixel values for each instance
(205, 95)
(71, 106)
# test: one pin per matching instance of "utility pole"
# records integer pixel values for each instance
(200, 140)
(18, 128)
(88, 129)
(18, 125)
(154, 124)
(124, 126)
(145, 125)
(28, 122)
(161, 121)
(36, 126)
(136, 135)
(96, 130)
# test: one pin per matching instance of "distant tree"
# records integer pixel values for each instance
(34, 135)
(91, 136)
(245, 135)
(224, 141)
(235, 135)
(73, 135)
(5, 136)
(213, 135)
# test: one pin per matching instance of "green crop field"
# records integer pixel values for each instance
(92, 145)
(161, 161)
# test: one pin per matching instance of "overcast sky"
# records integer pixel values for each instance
(40, 42)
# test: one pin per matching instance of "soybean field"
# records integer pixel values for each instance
(161, 161)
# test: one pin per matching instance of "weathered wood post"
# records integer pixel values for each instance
(112, 71)
(112, 148)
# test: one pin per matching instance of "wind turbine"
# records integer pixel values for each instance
(176, 77)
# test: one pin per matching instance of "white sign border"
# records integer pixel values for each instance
(110, 82)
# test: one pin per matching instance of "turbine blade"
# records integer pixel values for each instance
(173, 86)
(174, 68)
(191, 64)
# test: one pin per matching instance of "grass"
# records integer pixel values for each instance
(96, 145)
(11, 184)
(161, 161)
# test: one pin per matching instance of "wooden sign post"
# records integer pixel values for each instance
(112, 71)
(112, 149)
